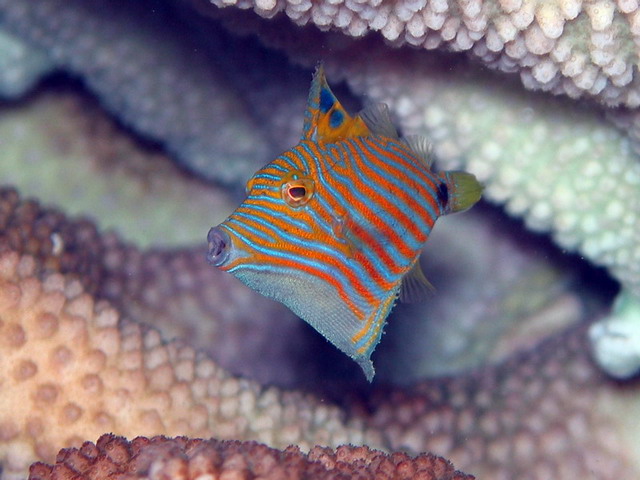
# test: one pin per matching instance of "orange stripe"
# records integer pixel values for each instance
(420, 172)
(363, 331)
(366, 238)
(328, 218)
(295, 249)
(407, 222)
(371, 215)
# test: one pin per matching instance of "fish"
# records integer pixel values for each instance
(333, 228)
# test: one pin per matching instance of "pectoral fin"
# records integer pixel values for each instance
(415, 286)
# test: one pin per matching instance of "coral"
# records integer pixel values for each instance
(474, 120)
(566, 46)
(616, 339)
(59, 138)
(71, 370)
(166, 103)
(181, 458)
(555, 163)
(584, 174)
(548, 402)
(562, 171)
(579, 224)
(175, 291)
(529, 296)
(526, 418)
(21, 66)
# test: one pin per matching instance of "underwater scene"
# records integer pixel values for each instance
(288, 239)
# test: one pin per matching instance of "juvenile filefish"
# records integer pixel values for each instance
(333, 227)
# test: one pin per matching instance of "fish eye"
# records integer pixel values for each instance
(297, 193)
(297, 189)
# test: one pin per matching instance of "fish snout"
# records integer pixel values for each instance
(219, 246)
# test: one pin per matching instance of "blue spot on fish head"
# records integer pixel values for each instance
(336, 118)
(326, 100)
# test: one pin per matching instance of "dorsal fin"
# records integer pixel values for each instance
(325, 119)
(421, 147)
(377, 118)
(415, 286)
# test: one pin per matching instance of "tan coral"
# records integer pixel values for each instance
(192, 459)
(69, 372)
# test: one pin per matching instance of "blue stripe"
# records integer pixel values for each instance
(401, 151)
(263, 186)
(266, 176)
(413, 242)
(266, 212)
(396, 180)
(302, 260)
(309, 245)
(370, 255)
(359, 197)
(381, 268)
(275, 166)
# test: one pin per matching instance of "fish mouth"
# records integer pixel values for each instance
(219, 246)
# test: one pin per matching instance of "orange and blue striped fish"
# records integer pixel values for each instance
(333, 227)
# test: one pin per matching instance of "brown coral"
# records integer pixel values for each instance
(185, 459)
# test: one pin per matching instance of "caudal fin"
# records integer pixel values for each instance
(464, 190)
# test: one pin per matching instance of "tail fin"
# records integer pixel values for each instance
(464, 190)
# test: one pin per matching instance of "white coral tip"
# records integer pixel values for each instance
(616, 340)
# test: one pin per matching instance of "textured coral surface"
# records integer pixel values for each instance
(60, 138)
(83, 371)
(565, 46)
(544, 412)
(181, 458)
(71, 370)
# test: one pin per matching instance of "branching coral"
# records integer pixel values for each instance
(180, 458)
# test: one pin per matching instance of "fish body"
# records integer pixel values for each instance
(333, 228)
